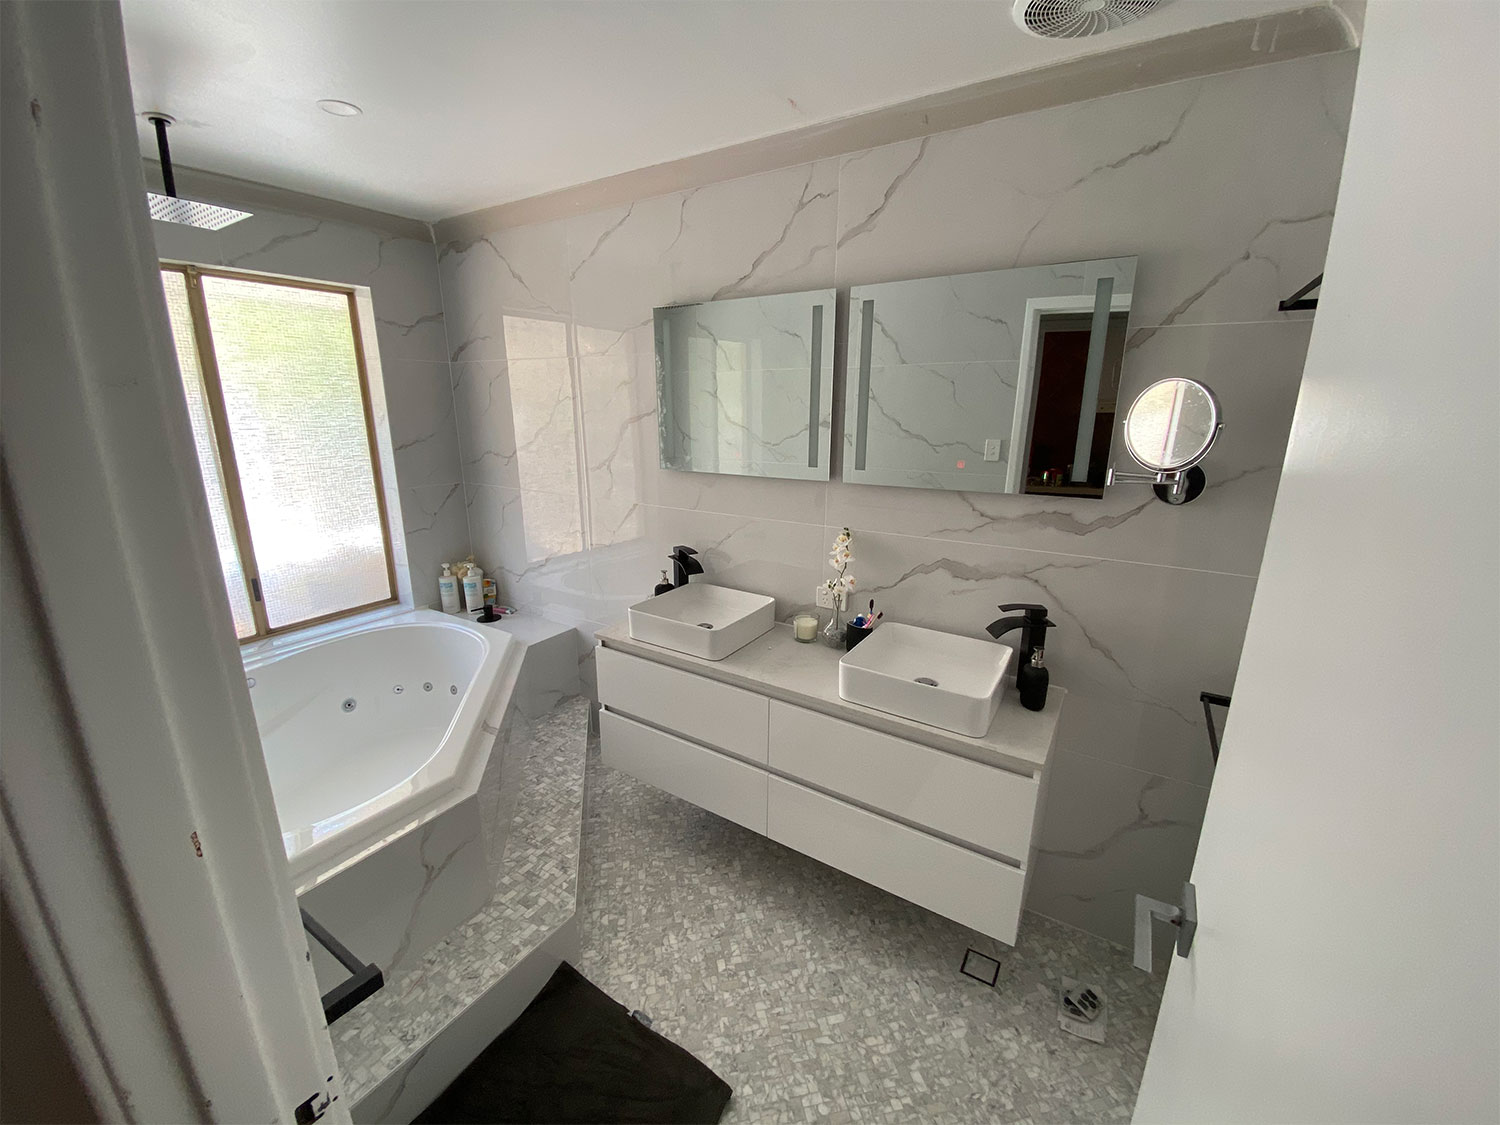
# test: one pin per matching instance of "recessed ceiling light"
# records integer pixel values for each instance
(338, 108)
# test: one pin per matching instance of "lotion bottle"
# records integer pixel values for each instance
(474, 589)
(448, 589)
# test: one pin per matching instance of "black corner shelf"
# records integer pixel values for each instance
(1300, 299)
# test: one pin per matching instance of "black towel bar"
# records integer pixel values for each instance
(364, 981)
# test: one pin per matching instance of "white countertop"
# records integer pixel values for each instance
(807, 675)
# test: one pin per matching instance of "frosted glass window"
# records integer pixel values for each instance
(181, 316)
(289, 382)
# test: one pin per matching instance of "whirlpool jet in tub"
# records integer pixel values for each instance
(384, 744)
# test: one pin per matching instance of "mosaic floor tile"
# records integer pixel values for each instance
(535, 894)
(822, 999)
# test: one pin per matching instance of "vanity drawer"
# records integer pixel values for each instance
(983, 894)
(712, 781)
(986, 806)
(702, 709)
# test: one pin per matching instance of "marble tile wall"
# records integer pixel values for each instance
(1224, 187)
(423, 478)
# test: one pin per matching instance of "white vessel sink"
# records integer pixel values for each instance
(703, 620)
(936, 678)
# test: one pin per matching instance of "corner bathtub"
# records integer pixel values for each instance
(379, 738)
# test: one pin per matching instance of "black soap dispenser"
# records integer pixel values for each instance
(1031, 682)
(1031, 673)
(663, 587)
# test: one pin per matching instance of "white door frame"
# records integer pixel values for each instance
(141, 856)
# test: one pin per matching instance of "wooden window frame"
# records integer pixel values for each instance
(234, 498)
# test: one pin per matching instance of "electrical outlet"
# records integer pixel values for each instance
(992, 449)
(827, 599)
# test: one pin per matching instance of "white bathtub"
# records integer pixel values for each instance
(379, 737)
(367, 727)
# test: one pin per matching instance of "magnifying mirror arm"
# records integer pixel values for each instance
(1175, 486)
(1114, 476)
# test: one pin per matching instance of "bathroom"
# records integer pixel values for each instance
(351, 827)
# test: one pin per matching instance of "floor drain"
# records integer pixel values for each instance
(928, 680)
(982, 967)
(705, 625)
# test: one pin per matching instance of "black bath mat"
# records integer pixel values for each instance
(575, 1056)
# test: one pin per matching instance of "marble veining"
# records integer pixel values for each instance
(806, 198)
(868, 222)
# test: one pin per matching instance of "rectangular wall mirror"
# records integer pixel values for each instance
(745, 386)
(1002, 381)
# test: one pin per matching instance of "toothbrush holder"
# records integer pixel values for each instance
(853, 634)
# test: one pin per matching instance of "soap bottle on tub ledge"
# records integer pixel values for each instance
(473, 589)
(448, 589)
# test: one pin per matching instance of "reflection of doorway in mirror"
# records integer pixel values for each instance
(1054, 417)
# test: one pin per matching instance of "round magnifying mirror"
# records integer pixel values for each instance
(1172, 425)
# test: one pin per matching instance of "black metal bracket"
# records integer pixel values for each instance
(1195, 480)
(1300, 299)
(364, 981)
(1211, 699)
(313, 1109)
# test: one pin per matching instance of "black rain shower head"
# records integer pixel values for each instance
(169, 208)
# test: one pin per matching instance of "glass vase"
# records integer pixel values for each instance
(832, 632)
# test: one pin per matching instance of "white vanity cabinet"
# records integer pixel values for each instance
(762, 738)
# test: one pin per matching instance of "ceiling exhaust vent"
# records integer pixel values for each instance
(1073, 19)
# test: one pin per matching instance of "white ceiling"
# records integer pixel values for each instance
(471, 103)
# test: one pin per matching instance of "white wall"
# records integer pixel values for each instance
(1225, 188)
(1349, 868)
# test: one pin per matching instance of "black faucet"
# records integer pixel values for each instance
(683, 565)
(1033, 625)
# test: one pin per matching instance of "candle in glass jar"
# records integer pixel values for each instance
(806, 627)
